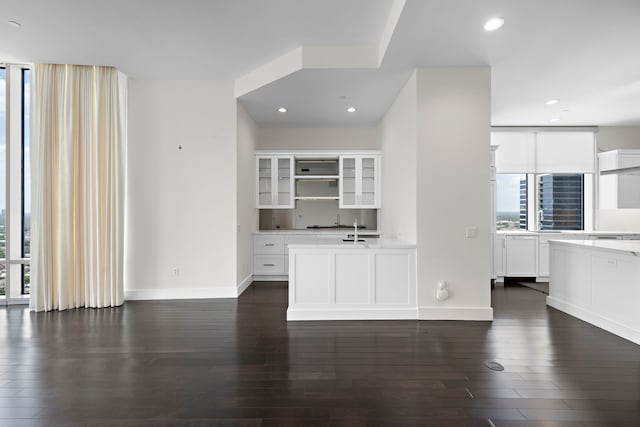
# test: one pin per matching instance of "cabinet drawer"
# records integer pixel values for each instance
(268, 245)
(269, 264)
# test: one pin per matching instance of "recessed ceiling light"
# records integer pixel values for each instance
(555, 119)
(552, 101)
(351, 110)
(493, 24)
(15, 24)
(282, 110)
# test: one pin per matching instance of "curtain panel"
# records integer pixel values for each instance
(77, 167)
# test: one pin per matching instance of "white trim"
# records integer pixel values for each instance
(455, 313)
(352, 314)
(330, 154)
(180, 293)
(17, 301)
(244, 284)
(593, 129)
(589, 316)
(271, 278)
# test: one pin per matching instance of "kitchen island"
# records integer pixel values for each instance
(330, 279)
(599, 282)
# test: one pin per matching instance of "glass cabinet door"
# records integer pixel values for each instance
(285, 182)
(265, 182)
(368, 182)
(348, 182)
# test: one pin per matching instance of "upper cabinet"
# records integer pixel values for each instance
(619, 181)
(274, 182)
(359, 181)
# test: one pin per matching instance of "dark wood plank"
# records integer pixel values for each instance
(239, 363)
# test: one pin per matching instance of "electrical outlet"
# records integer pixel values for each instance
(175, 271)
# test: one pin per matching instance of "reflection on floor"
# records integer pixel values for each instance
(239, 363)
(537, 286)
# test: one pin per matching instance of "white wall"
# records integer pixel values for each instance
(398, 215)
(181, 203)
(318, 139)
(612, 138)
(617, 137)
(247, 135)
(453, 155)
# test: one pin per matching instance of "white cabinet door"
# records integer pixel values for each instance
(543, 259)
(359, 182)
(274, 186)
(264, 176)
(284, 182)
(619, 191)
(499, 255)
(369, 169)
(522, 256)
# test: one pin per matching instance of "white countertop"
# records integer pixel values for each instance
(337, 243)
(622, 246)
(579, 232)
(318, 231)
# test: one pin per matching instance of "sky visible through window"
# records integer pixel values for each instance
(508, 201)
(508, 192)
(27, 131)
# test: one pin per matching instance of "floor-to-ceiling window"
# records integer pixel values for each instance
(26, 180)
(15, 194)
(3, 133)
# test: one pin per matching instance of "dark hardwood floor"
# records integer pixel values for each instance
(239, 363)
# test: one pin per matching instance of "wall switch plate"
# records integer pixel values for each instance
(471, 232)
(175, 271)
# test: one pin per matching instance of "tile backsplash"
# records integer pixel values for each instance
(308, 213)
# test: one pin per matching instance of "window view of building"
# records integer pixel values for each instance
(15, 181)
(3, 132)
(26, 181)
(511, 209)
(561, 201)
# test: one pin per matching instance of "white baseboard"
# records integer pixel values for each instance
(244, 284)
(609, 325)
(180, 293)
(352, 314)
(17, 301)
(263, 278)
(455, 313)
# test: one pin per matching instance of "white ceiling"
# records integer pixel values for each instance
(583, 52)
(181, 39)
(313, 98)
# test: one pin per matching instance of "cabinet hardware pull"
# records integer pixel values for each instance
(269, 265)
(269, 244)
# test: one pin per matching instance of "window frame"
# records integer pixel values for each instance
(14, 260)
(527, 202)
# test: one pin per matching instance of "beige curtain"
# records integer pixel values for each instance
(77, 173)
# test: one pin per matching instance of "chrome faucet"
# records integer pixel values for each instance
(540, 219)
(355, 234)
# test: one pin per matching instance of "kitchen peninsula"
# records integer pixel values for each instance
(330, 279)
(598, 281)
